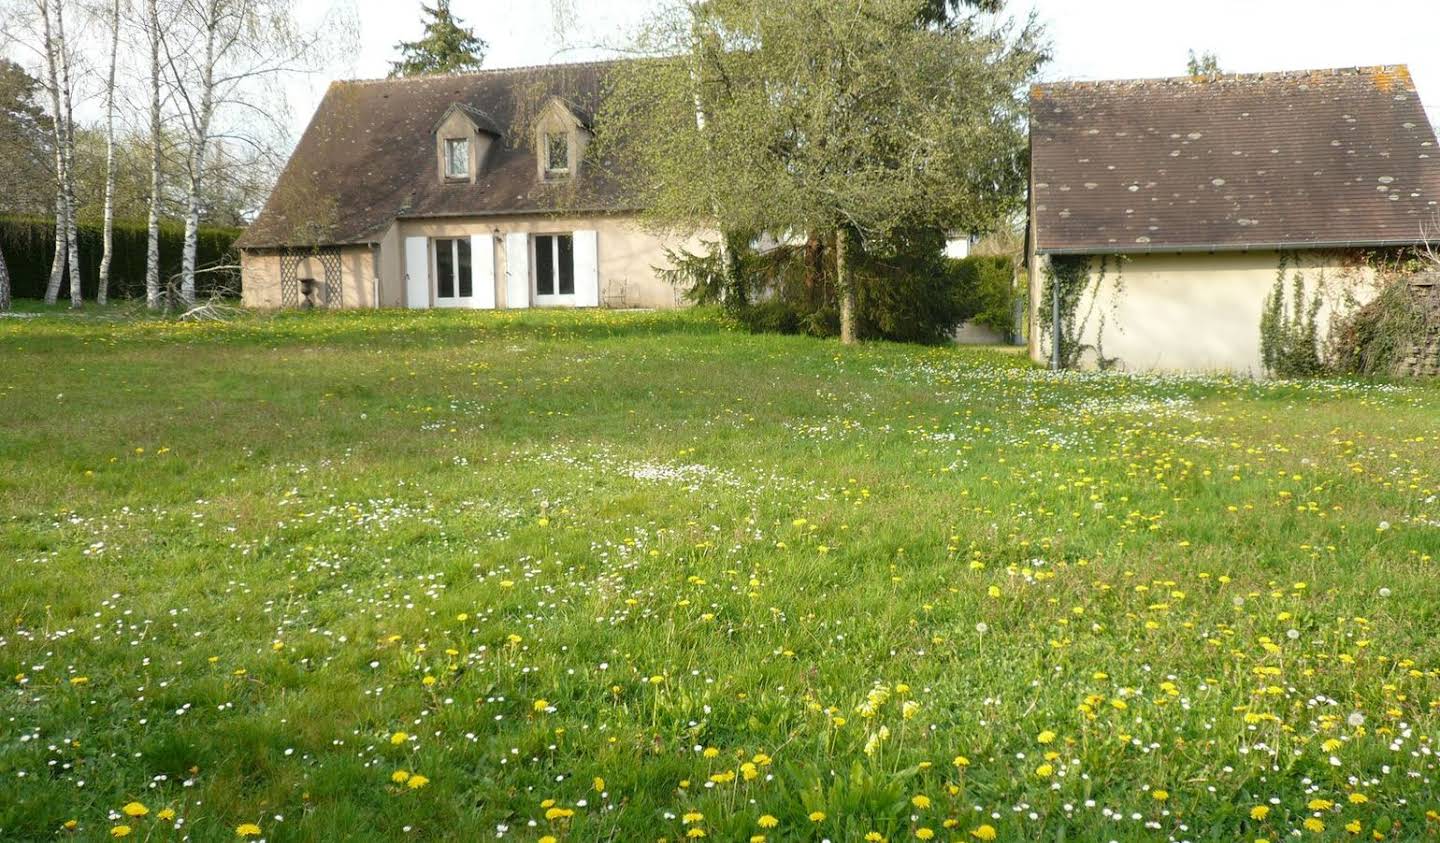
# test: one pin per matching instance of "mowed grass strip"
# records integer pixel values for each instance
(628, 576)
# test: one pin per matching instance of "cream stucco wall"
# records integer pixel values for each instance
(1195, 312)
(260, 277)
(628, 256)
(627, 259)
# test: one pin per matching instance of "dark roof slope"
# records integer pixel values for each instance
(1318, 158)
(368, 156)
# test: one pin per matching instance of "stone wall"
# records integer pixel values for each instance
(1424, 357)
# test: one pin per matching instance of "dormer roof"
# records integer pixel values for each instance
(479, 119)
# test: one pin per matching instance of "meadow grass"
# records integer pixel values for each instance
(618, 576)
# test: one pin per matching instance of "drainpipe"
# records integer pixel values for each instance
(1055, 324)
(375, 276)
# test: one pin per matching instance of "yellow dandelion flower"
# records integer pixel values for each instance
(1313, 825)
(247, 830)
(923, 833)
(1320, 804)
(1358, 799)
(1259, 812)
(416, 782)
(961, 761)
(548, 839)
(399, 776)
(817, 816)
(874, 837)
(984, 832)
(135, 809)
(598, 784)
(166, 814)
(920, 801)
(120, 831)
(399, 738)
(1046, 736)
(767, 821)
(1353, 826)
(1160, 795)
(692, 817)
(695, 833)
(540, 705)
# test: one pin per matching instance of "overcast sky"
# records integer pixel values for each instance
(1093, 39)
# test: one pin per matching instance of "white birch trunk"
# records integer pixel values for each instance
(200, 138)
(57, 267)
(152, 240)
(102, 293)
(71, 232)
(4, 283)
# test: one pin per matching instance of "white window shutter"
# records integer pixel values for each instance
(517, 270)
(482, 262)
(417, 273)
(587, 269)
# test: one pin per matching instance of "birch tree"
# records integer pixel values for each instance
(102, 293)
(57, 83)
(152, 242)
(226, 56)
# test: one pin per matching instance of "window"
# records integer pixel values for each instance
(554, 266)
(457, 158)
(557, 154)
(454, 276)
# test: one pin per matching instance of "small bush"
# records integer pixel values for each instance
(1377, 338)
(906, 289)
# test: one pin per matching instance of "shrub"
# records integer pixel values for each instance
(906, 289)
(987, 291)
(1378, 338)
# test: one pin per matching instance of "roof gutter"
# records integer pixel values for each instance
(1153, 249)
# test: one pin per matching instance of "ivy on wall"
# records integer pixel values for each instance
(1077, 286)
(1289, 326)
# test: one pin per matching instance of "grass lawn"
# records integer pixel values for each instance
(612, 576)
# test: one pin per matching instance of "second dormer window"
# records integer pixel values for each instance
(457, 158)
(557, 154)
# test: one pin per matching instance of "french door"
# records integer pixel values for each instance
(554, 270)
(454, 273)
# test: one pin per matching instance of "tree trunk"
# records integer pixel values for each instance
(57, 266)
(4, 283)
(814, 271)
(152, 241)
(845, 287)
(71, 228)
(102, 293)
(62, 215)
(199, 140)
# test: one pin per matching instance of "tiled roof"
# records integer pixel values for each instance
(368, 156)
(1277, 160)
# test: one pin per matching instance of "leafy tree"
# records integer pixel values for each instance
(852, 120)
(1205, 64)
(447, 47)
(26, 183)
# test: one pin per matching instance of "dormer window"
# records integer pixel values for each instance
(557, 155)
(457, 158)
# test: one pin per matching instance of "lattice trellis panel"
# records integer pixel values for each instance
(330, 292)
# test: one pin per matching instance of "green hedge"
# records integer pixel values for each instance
(29, 244)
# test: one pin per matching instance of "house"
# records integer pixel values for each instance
(475, 191)
(1169, 207)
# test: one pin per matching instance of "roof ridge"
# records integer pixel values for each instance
(483, 72)
(1394, 73)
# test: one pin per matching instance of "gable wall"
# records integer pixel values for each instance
(1193, 312)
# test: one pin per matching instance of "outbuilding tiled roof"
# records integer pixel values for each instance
(1327, 158)
(369, 156)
